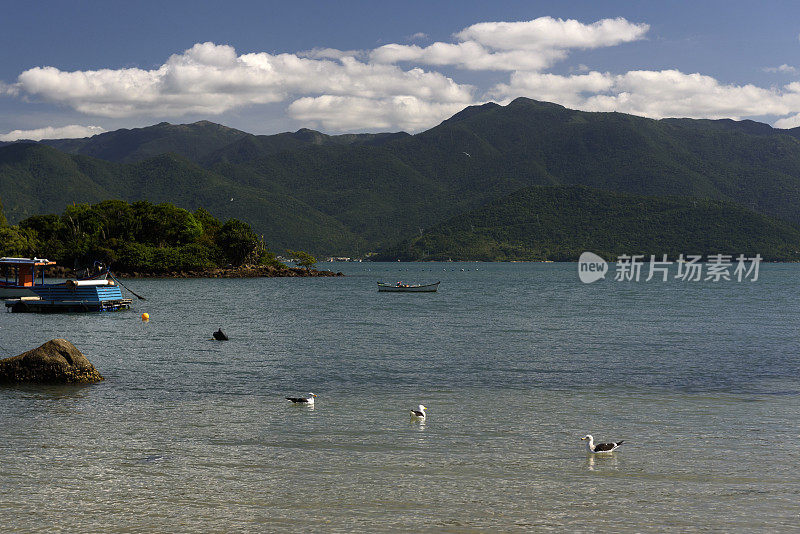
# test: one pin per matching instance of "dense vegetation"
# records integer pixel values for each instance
(350, 194)
(558, 223)
(136, 237)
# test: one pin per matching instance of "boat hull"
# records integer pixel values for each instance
(66, 306)
(426, 288)
(15, 292)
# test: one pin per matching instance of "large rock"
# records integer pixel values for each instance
(57, 361)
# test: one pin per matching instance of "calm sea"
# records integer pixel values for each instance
(515, 362)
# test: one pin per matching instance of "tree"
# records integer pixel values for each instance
(16, 241)
(304, 259)
(238, 241)
(3, 221)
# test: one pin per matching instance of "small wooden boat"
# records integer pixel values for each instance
(400, 287)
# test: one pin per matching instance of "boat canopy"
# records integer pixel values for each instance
(25, 270)
(26, 261)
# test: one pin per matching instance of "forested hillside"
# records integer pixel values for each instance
(558, 223)
(350, 194)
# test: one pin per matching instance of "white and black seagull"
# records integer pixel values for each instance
(302, 400)
(419, 414)
(600, 448)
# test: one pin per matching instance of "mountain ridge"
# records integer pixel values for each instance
(353, 193)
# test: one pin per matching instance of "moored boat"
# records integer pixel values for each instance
(19, 281)
(400, 287)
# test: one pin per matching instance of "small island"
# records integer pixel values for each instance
(142, 239)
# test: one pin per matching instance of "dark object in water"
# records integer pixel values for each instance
(303, 400)
(219, 335)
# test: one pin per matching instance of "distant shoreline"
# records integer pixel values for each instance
(245, 271)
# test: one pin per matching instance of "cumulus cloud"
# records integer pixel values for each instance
(531, 45)
(6, 89)
(467, 55)
(353, 113)
(656, 94)
(331, 53)
(788, 122)
(211, 79)
(570, 91)
(419, 36)
(547, 32)
(786, 69)
(368, 89)
(50, 132)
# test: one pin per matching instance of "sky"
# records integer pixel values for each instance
(75, 69)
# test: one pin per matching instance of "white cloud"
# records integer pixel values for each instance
(211, 79)
(786, 69)
(331, 53)
(6, 89)
(355, 113)
(467, 55)
(547, 32)
(656, 94)
(788, 122)
(531, 45)
(50, 132)
(569, 91)
(355, 89)
(419, 36)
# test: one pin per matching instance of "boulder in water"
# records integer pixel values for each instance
(57, 361)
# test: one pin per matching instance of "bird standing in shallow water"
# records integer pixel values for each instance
(600, 448)
(419, 414)
(303, 400)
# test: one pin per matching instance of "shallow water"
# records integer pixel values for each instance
(514, 361)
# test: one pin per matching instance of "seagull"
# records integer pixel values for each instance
(302, 400)
(419, 414)
(467, 154)
(600, 448)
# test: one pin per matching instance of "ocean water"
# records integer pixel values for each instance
(516, 362)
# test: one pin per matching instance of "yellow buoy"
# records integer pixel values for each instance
(145, 317)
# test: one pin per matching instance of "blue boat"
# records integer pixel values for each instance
(19, 283)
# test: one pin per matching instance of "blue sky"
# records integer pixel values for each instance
(79, 68)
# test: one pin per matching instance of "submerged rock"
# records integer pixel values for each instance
(57, 361)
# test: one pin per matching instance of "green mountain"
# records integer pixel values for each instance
(192, 141)
(349, 194)
(200, 141)
(560, 222)
(536, 143)
(489, 151)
